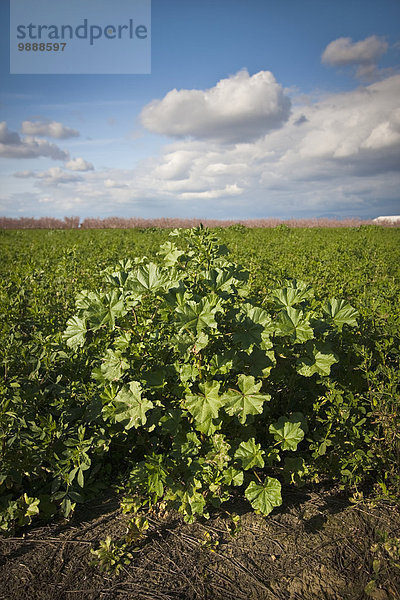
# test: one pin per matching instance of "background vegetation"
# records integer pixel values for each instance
(45, 387)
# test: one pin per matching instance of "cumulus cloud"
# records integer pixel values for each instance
(48, 129)
(337, 154)
(79, 164)
(228, 190)
(24, 174)
(354, 124)
(364, 55)
(112, 184)
(13, 146)
(52, 176)
(239, 108)
(331, 148)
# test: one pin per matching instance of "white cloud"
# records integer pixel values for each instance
(79, 164)
(48, 129)
(238, 109)
(350, 125)
(228, 190)
(364, 55)
(112, 184)
(13, 146)
(338, 154)
(24, 174)
(52, 176)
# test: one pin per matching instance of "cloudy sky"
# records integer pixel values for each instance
(253, 109)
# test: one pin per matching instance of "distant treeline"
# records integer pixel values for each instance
(171, 223)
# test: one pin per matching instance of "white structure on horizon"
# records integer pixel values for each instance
(390, 219)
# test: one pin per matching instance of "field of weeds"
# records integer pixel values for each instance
(277, 363)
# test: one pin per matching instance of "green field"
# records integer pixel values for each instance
(57, 450)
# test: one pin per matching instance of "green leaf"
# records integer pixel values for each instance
(296, 292)
(80, 478)
(192, 502)
(204, 406)
(106, 310)
(255, 327)
(341, 313)
(319, 359)
(233, 476)
(250, 454)
(294, 470)
(221, 280)
(85, 298)
(171, 420)
(201, 342)
(75, 333)
(196, 316)
(260, 362)
(187, 372)
(130, 407)
(150, 278)
(113, 365)
(264, 498)
(222, 363)
(170, 253)
(288, 432)
(245, 401)
(292, 323)
(219, 453)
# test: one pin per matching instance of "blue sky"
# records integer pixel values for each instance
(253, 109)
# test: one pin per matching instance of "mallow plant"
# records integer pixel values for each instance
(202, 393)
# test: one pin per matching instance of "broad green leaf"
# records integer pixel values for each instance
(75, 333)
(170, 253)
(201, 342)
(264, 498)
(113, 365)
(250, 454)
(319, 359)
(191, 500)
(86, 298)
(288, 432)
(255, 327)
(292, 323)
(260, 316)
(187, 372)
(222, 363)
(192, 503)
(246, 400)
(150, 278)
(196, 316)
(205, 405)
(182, 343)
(341, 313)
(106, 310)
(233, 476)
(123, 341)
(131, 407)
(118, 278)
(171, 420)
(295, 292)
(156, 378)
(157, 474)
(221, 280)
(209, 426)
(260, 362)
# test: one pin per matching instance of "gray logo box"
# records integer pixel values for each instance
(80, 37)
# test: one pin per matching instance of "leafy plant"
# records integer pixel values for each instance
(111, 556)
(190, 369)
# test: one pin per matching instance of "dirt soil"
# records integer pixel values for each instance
(318, 546)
